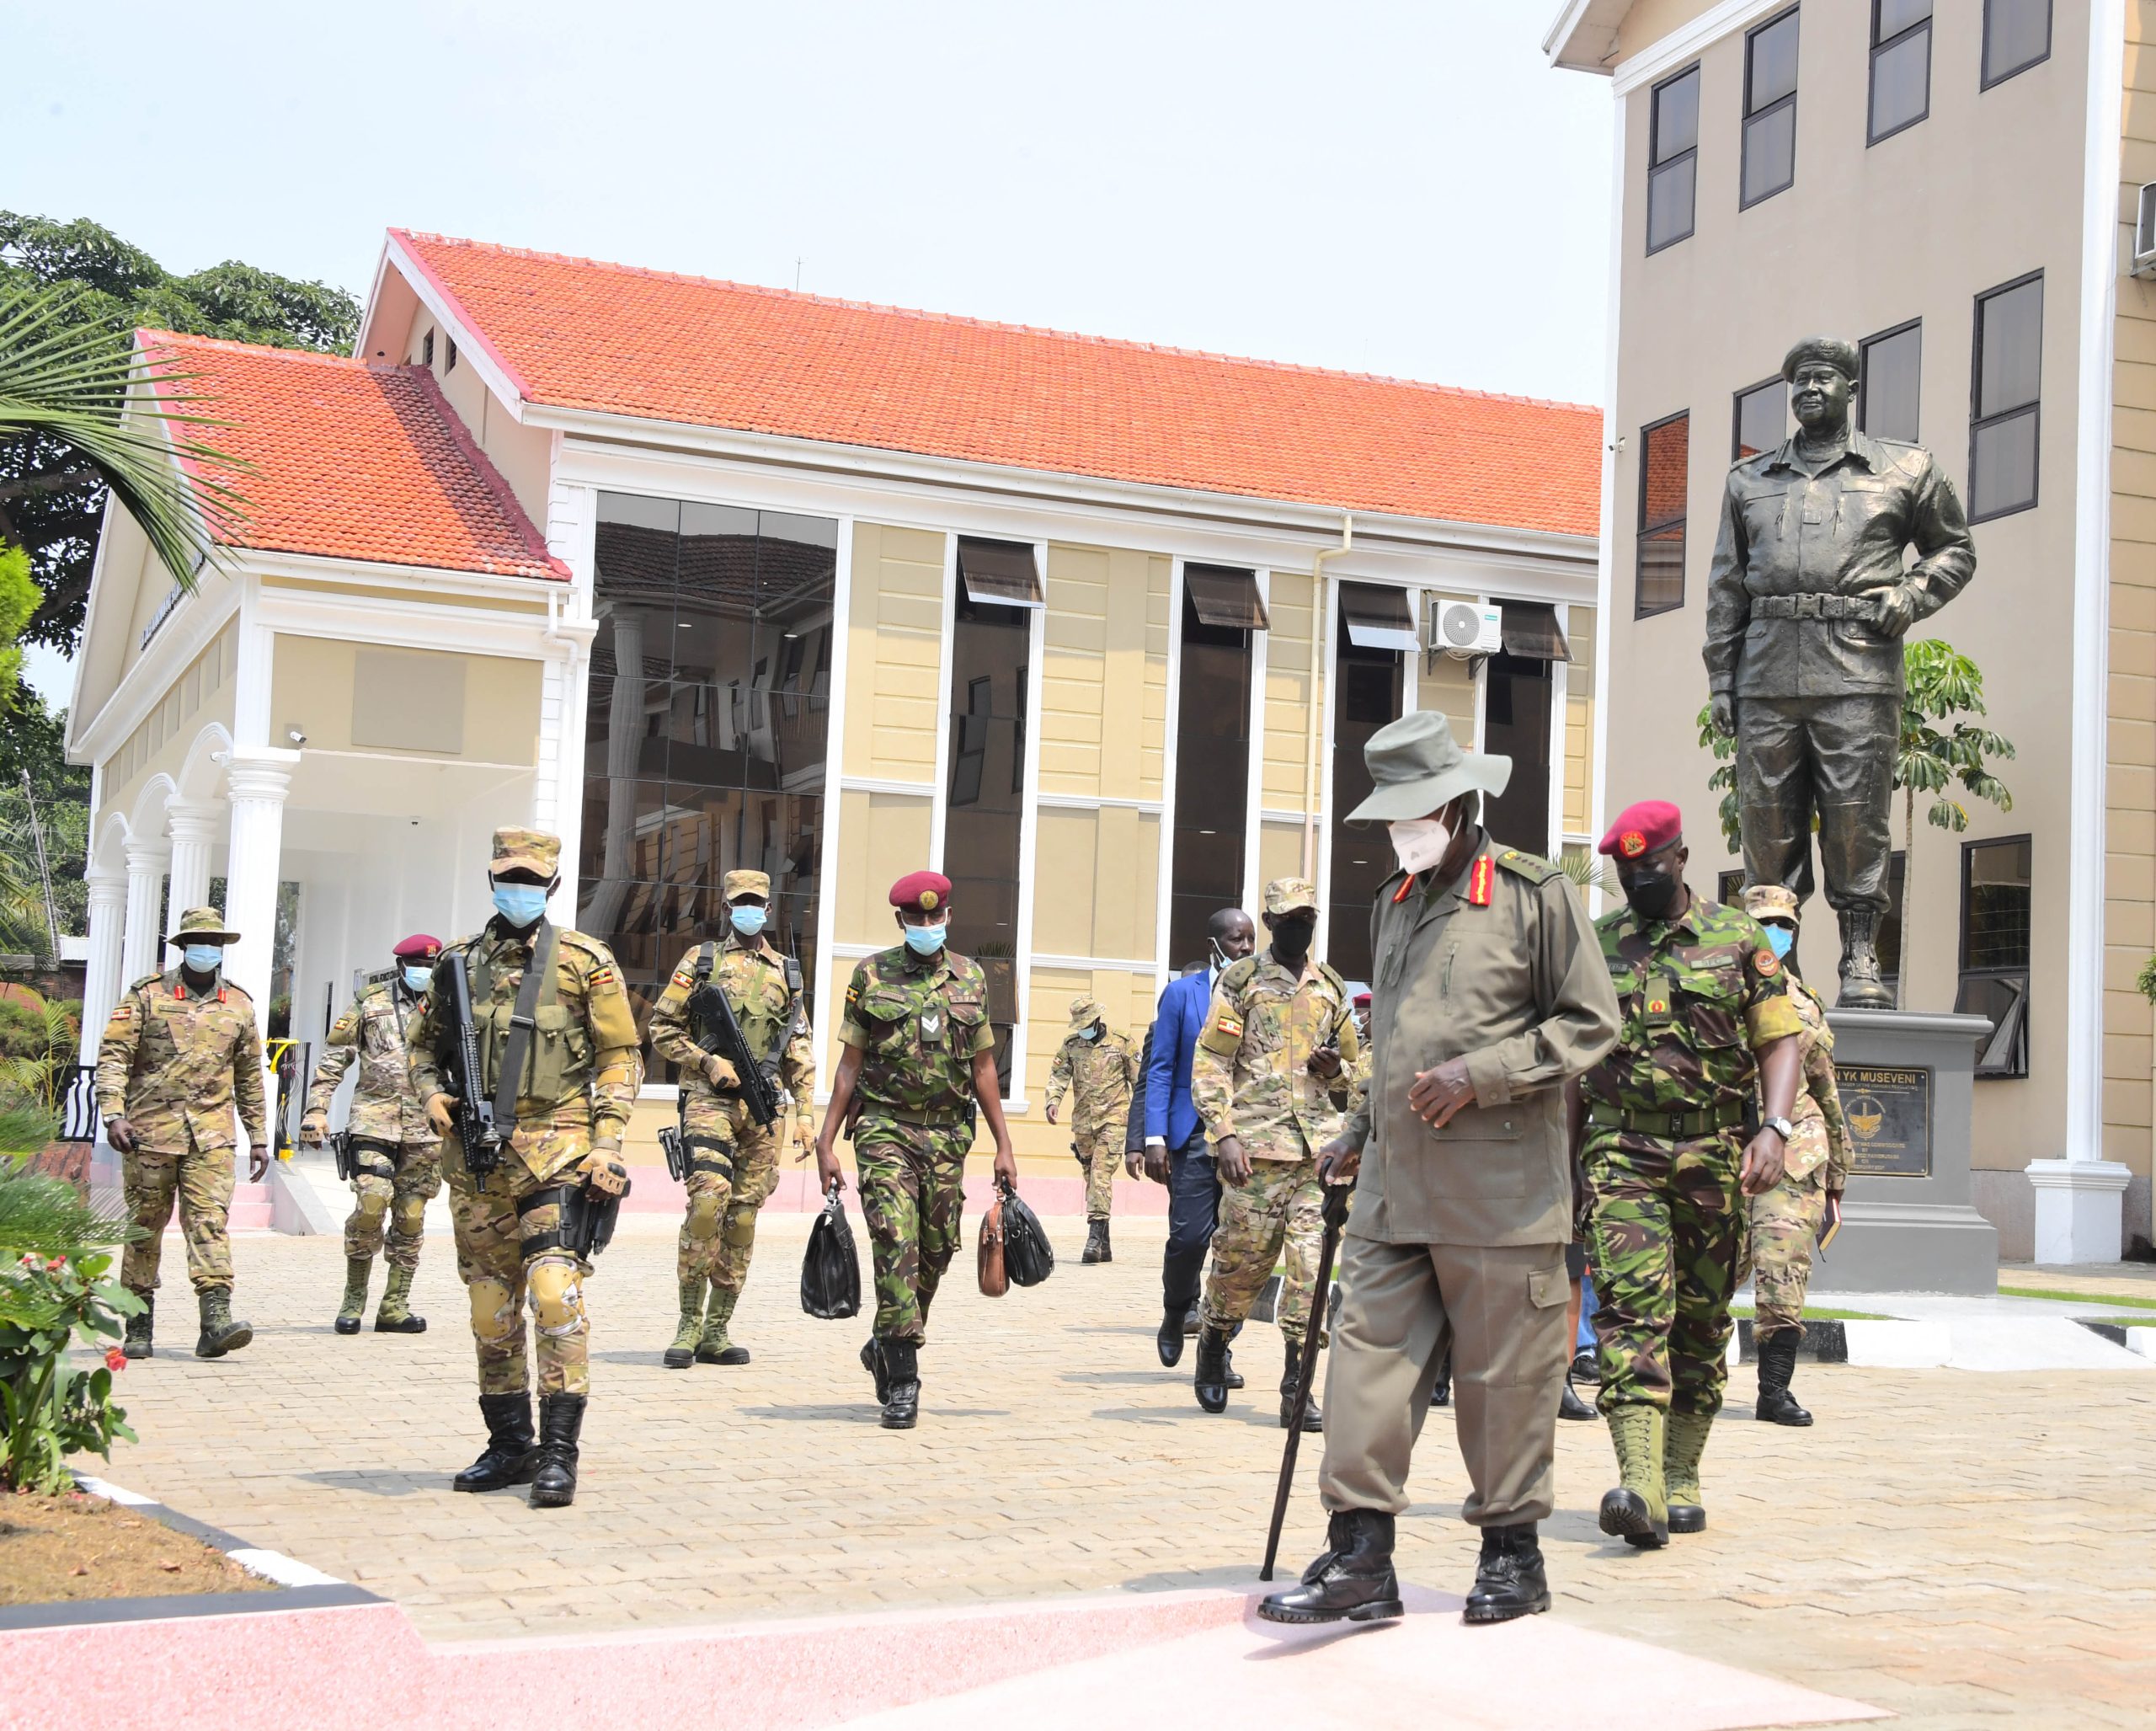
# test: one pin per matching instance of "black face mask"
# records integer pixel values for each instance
(1291, 939)
(1652, 893)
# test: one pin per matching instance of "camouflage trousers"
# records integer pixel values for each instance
(1099, 1151)
(395, 1184)
(913, 1192)
(1664, 1223)
(726, 1187)
(201, 1181)
(1282, 1203)
(1784, 1222)
(503, 1281)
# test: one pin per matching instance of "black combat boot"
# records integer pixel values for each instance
(1169, 1340)
(553, 1482)
(220, 1334)
(902, 1401)
(1097, 1242)
(511, 1457)
(1191, 1320)
(872, 1361)
(1776, 1405)
(1234, 1376)
(140, 1344)
(1569, 1405)
(1352, 1579)
(1210, 1377)
(1508, 1580)
(1441, 1390)
(1290, 1405)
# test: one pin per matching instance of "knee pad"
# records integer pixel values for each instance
(410, 1217)
(740, 1226)
(557, 1297)
(493, 1313)
(703, 1215)
(372, 1204)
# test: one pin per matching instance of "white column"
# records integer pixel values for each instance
(258, 784)
(195, 825)
(101, 980)
(142, 949)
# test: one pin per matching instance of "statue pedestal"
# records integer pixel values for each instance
(1907, 1086)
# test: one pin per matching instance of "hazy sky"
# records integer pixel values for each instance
(1400, 188)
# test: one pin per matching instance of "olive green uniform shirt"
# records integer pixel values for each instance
(918, 1022)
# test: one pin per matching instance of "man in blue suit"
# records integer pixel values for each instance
(1175, 1153)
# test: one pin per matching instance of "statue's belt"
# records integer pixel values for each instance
(1814, 606)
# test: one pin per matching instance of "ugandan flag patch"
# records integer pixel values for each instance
(1766, 963)
(683, 977)
(604, 976)
(1230, 1026)
(1479, 881)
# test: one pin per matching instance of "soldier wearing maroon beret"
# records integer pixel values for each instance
(916, 1058)
(1668, 1150)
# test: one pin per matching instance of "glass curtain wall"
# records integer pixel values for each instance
(705, 733)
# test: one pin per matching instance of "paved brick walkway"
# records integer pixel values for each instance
(1964, 1549)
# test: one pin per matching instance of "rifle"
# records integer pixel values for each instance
(1335, 1217)
(713, 1025)
(482, 1138)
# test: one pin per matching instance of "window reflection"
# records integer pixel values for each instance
(1212, 803)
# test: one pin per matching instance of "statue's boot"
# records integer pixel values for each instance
(1863, 988)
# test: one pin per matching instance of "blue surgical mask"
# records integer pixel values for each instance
(1088, 1034)
(1780, 939)
(419, 979)
(748, 920)
(204, 958)
(520, 903)
(925, 940)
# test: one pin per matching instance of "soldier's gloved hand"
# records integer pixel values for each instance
(719, 1073)
(257, 1163)
(1896, 610)
(120, 1133)
(314, 1129)
(602, 1170)
(1721, 711)
(1231, 1161)
(1338, 1161)
(441, 1112)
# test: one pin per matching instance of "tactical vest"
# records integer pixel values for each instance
(559, 1064)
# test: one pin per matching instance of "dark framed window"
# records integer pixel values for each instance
(2005, 388)
(1890, 370)
(1212, 802)
(427, 350)
(452, 366)
(1673, 158)
(2017, 36)
(1901, 66)
(1769, 154)
(1997, 893)
(705, 731)
(1516, 698)
(1370, 666)
(1761, 420)
(1665, 452)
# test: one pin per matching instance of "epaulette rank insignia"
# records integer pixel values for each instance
(1406, 888)
(1479, 881)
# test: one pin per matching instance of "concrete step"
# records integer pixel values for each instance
(250, 1211)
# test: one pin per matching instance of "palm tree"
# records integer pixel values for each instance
(132, 421)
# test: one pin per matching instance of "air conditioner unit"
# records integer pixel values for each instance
(2144, 232)
(1465, 628)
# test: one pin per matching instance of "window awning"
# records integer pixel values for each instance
(999, 571)
(1223, 596)
(1531, 629)
(1378, 618)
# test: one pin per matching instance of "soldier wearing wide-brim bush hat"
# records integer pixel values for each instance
(917, 1060)
(181, 1053)
(1098, 1066)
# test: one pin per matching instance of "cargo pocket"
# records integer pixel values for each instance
(1480, 1156)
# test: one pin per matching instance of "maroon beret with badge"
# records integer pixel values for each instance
(417, 944)
(921, 892)
(1642, 828)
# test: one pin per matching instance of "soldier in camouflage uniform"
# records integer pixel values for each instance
(917, 1056)
(181, 1051)
(1786, 1220)
(1272, 1079)
(395, 1151)
(733, 1161)
(1098, 1066)
(574, 1091)
(1708, 1028)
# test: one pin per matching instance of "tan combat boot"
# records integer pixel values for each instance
(1638, 1510)
(1685, 1442)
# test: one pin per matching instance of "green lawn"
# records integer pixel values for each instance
(1820, 1316)
(2144, 1304)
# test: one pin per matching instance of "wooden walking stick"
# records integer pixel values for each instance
(1335, 1217)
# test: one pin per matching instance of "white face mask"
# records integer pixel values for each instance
(1419, 842)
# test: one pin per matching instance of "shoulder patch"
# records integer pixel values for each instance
(147, 980)
(1531, 867)
(1766, 964)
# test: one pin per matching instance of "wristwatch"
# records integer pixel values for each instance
(1782, 1127)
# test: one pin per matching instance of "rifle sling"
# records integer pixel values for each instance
(516, 1050)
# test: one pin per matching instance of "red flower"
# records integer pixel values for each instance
(55, 1266)
(115, 1359)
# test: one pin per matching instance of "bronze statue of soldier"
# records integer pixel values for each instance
(1808, 597)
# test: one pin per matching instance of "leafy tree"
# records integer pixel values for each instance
(40, 790)
(1723, 781)
(50, 498)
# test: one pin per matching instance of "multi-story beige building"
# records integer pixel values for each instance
(1953, 184)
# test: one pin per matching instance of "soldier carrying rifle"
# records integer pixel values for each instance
(734, 1019)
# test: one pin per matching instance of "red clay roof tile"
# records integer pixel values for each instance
(352, 461)
(575, 334)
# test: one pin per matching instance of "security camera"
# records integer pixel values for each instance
(295, 735)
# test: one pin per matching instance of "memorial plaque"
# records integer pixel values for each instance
(1889, 1116)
